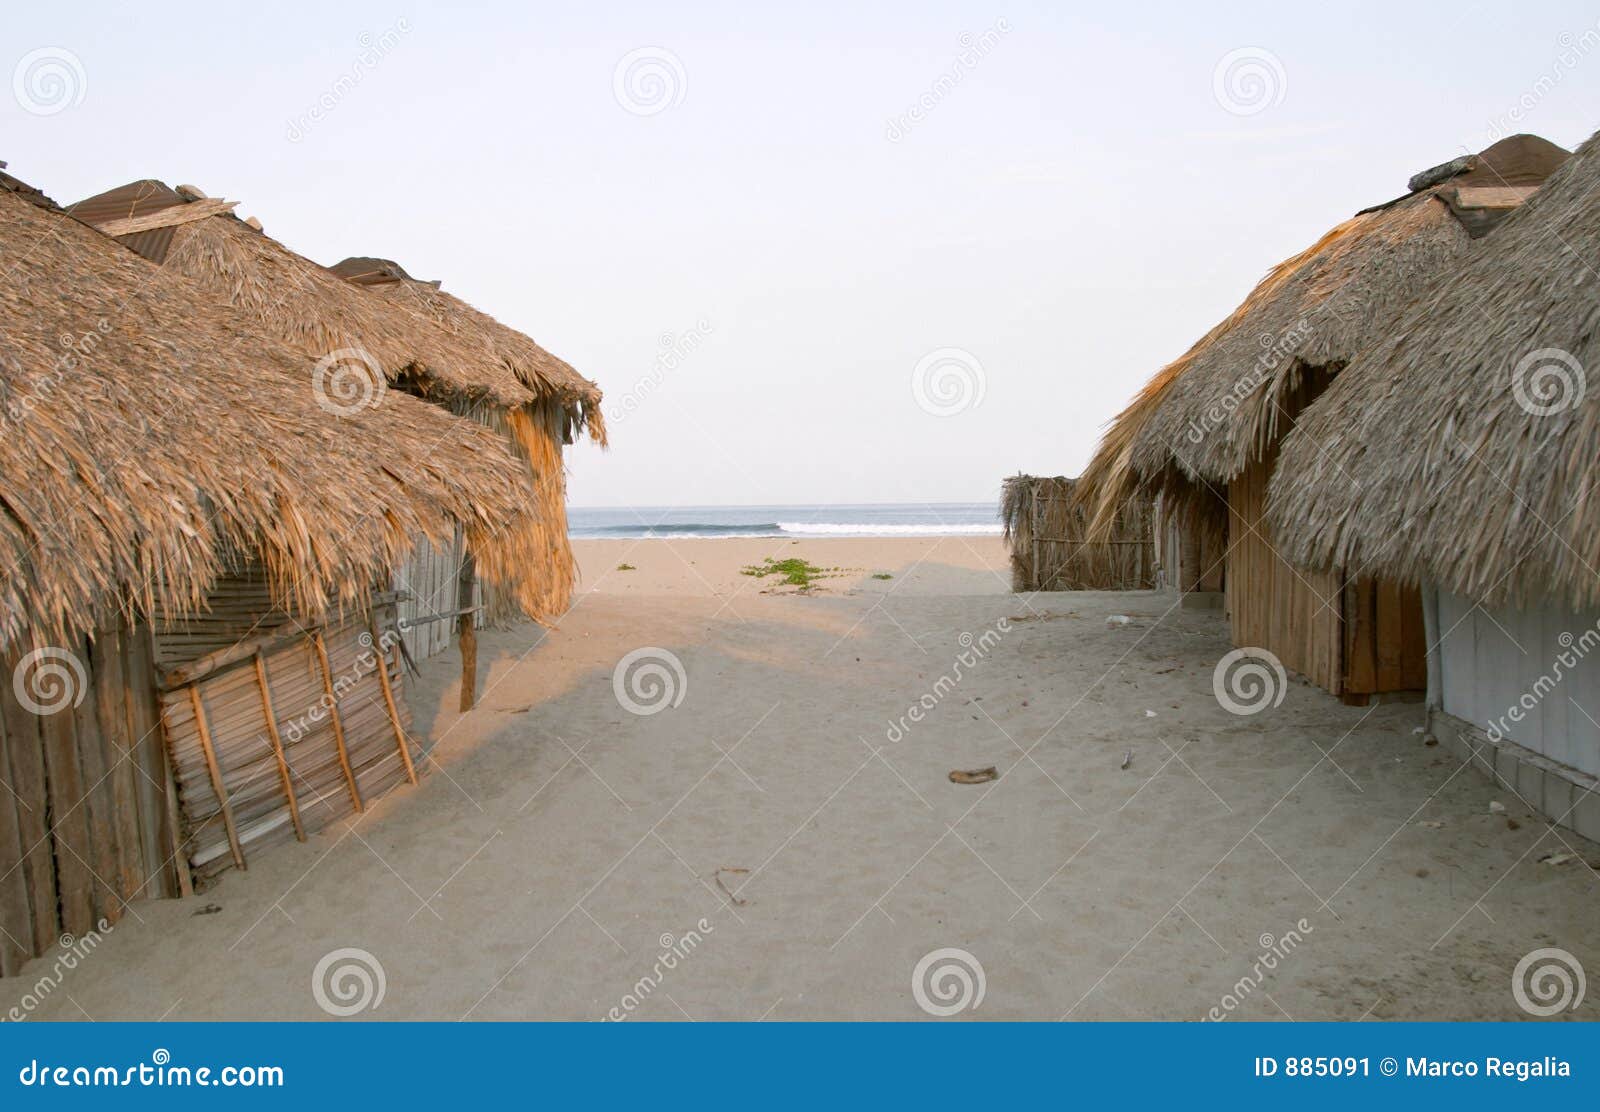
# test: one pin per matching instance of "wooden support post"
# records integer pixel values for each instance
(338, 724)
(216, 774)
(25, 750)
(400, 739)
(174, 827)
(16, 925)
(468, 632)
(69, 821)
(109, 657)
(277, 745)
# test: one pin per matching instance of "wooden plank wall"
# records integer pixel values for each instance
(1292, 613)
(1385, 645)
(82, 813)
(429, 577)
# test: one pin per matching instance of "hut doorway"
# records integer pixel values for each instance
(1353, 637)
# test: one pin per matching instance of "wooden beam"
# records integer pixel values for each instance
(216, 774)
(388, 698)
(338, 725)
(468, 633)
(277, 745)
(25, 750)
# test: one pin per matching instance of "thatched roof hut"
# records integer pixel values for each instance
(1461, 449)
(1204, 433)
(360, 334)
(546, 375)
(302, 303)
(565, 403)
(1202, 418)
(109, 369)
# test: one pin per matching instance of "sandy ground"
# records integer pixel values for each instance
(776, 806)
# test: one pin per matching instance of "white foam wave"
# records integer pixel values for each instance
(861, 529)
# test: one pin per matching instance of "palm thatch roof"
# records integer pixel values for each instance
(1462, 448)
(1203, 417)
(566, 404)
(541, 372)
(302, 303)
(150, 434)
(413, 345)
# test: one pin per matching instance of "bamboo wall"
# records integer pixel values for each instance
(1046, 529)
(279, 736)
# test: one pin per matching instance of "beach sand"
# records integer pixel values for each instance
(779, 838)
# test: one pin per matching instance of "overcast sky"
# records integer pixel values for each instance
(1079, 194)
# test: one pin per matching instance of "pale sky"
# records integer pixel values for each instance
(1072, 212)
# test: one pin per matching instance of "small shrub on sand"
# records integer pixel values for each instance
(795, 571)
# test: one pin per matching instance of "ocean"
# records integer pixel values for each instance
(912, 519)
